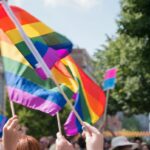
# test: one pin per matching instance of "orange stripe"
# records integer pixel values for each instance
(23, 17)
(95, 95)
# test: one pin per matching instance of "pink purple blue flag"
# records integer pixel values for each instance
(109, 79)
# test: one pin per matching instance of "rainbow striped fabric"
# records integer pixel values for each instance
(89, 101)
(51, 45)
(26, 88)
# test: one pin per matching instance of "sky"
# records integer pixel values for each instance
(85, 22)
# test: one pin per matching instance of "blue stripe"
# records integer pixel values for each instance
(109, 83)
(67, 46)
(79, 110)
(32, 88)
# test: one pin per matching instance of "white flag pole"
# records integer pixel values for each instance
(37, 55)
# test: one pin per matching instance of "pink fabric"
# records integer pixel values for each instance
(111, 73)
(31, 101)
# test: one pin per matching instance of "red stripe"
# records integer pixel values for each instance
(23, 17)
(95, 95)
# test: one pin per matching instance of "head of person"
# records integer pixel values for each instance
(121, 143)
(28, 143)
(44, 142)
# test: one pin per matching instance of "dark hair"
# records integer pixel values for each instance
(122, 147)
(81, 142)
(28, 143)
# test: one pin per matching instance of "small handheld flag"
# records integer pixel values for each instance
(109, 79)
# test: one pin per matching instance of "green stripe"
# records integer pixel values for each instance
(23, 47)
(50, 39)
(54, 39)
(66, 90)
(28, 73)
(85, 110)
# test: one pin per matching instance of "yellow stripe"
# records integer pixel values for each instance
(72, 66)
(9, 50)
(32, 30)
(62, 79)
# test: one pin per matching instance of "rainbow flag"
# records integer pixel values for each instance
(26, 88)
(89, 100)
(51, 45)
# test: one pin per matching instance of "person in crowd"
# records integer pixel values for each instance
(144, 146)
(27, 143)
(139, 141)
(81, 142)
(1, 144)
(51, 141)
(44, 143)
(121, 143)
(76, 146)
(106, 144)
(14, 139)
(93, 138)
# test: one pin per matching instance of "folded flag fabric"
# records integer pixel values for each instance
(51, 45)
(26, 88)
(109, 79)
(89, 101)
(3, 120)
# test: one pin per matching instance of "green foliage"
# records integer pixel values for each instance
(39, 124)
(130, 124)
(129, 52)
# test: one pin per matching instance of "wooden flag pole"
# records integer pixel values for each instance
(12, 108)
(59, 123)
(37, 55)
(105, 112)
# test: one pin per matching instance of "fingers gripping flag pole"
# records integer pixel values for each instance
(38, 57)
(109, 83)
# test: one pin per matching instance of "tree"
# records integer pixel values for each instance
(128, 51)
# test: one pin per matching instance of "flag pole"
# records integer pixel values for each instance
(105, 112)
(59, 123)
(37, 55)
(12, 108)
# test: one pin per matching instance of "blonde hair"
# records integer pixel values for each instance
(28, 143)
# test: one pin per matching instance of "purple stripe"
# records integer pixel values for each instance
(62, 53)
(70, 125)
(111, 73)
(32, 102)
(41, 73)
(74, 96)
(51, 57)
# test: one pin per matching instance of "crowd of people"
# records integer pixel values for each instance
(91, 139)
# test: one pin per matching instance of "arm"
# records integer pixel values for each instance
(62, 143)
(94, 139)
(11, 134)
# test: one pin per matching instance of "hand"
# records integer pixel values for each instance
(62, 143)
(94, 139)
(11, 134)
